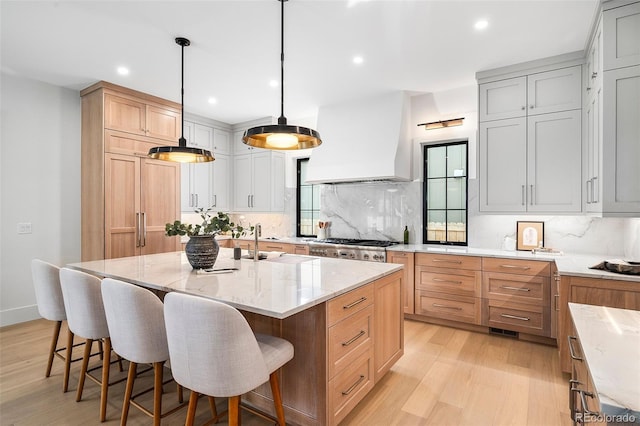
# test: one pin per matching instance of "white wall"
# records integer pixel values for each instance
(39, 184)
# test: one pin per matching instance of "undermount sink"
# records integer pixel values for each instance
(261, 256)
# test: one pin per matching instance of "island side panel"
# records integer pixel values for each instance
(389, 323)
(303, 380)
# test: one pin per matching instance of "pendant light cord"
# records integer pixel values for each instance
(282, 119)
(182, 141)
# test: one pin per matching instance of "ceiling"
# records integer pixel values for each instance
(420, 46)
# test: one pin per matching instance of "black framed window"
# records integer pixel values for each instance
(445, 193)
(307, 202)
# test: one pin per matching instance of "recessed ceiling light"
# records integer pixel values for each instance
(358, 60)
(273, 83)
(481, 24)
(213, 101)
(123, 70)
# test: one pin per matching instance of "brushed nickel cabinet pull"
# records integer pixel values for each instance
(137, 229)
(589, 191)
(439, 280)
(438, 305)
(248, 200)
(585, 408)
(594, 190)
(352, 304)
(531, 200)
(507, 287)
(514, 317)
(555, 300)
(144, 230)
(353, 386)
(523, 195)
(446, 261)
(215, 200)
(572, 352)
(354, 338)
(275, 247)
(515, 267)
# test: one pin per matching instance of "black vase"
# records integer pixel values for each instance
(202, 251)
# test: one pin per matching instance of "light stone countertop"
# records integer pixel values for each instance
(610, 340)
(278, 287)
(567, 264)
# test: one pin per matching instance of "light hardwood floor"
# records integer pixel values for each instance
(446, 377)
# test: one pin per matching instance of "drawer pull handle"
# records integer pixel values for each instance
(354, 338)
(524, 268)
(275, 247)
(514, 317)
(572, 352)
(438, 305)
(585, 408)
(447, 261)
(352, 304)
(353, 386)
(439, 280)
(506, 287)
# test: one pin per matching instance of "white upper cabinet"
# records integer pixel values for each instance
(622, 36)
(259, 181)
(221, 187)
(503, 99)
(221, 142)
(239, 147)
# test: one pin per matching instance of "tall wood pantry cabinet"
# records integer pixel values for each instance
(127, 198)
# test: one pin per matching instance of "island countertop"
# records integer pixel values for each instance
(277, 287)
(610, 340)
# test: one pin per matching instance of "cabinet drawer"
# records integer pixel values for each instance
(452, 281)
(269, 246)
(449, 261)
(516, 266)
(350, 338)
(349, 387)
(518, 288)
(349, 303)
(517, 317)
(454, 308)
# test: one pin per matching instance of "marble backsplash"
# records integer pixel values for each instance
(381, 210)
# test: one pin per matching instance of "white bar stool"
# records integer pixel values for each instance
(214, 352)
(137, 331)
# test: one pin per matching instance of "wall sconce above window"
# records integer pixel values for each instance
(443, 123)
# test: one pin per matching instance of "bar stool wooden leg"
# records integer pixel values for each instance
(234, 410)
(67, 361)
(157, 392)
(83, 370)
(54, 345)
(214, 410)
(277, 398)
(191, 410)
(106, 363)
(131, 378)
(180, 396)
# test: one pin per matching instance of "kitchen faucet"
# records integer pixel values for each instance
(256, 255)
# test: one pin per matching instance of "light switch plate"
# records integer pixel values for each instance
(24, 228)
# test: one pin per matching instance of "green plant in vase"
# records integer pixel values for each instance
(202, 248)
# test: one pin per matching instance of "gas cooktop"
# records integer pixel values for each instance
(357, 242)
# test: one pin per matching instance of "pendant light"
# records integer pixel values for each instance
(181, 153)
(281, 136)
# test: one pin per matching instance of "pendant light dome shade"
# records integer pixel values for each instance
(281, 136)
(181, 153)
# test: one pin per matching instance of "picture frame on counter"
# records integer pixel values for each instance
(529, 235)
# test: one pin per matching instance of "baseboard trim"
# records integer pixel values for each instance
(18, 315)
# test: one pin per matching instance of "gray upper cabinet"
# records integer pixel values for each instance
(622, 36)
(530, 142)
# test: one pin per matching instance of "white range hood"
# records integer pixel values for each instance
(363, 140)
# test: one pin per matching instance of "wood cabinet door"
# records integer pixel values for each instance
(553, 91)
(554, 166)
(388, 327)
(408, 291)
(503, 99)
(124, 114)
(122, 205)
(503, 165)
(163, 123)
(159, 204)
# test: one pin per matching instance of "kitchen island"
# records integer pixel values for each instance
(343, 318)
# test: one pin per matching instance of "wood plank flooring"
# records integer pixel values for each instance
(446, 377)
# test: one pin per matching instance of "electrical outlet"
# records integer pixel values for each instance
(24, 228)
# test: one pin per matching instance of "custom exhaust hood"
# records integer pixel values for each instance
(363, 140)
